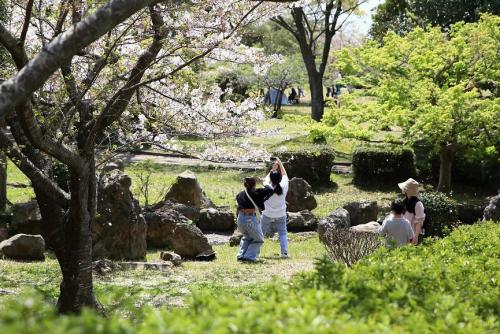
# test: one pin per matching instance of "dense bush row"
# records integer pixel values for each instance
(446, 286)
(382, 164)
(313, 163)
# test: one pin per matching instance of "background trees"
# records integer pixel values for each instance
(313, 26)
(439, 88)
(140, 71)
(402, 16)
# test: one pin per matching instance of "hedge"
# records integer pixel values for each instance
(313, 163)
(382, 164)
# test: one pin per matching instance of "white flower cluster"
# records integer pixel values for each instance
(239, 151)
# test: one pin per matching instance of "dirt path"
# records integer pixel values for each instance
(174, 160)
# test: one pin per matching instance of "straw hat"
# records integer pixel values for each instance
(409, 187)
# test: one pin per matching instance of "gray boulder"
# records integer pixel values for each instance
(26, 218)
(337, 219)
(301, 221)
(371, 227)
(362, 212)
(119, 231)
(300, 196)
(110, 166)
(172, 257)
(216, 220)
(187, 190)
(23, 247)
(168, 229)
(189, 211)
(492, 211)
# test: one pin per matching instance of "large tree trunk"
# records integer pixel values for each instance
(3, 181)
(317, 98)
(446, 157)
(76, 263)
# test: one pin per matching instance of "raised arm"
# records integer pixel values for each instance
(281, 167)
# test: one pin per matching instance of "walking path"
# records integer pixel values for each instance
(182, 161)
(338, 168)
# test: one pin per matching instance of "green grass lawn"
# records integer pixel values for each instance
(18, 185)
(173, 286)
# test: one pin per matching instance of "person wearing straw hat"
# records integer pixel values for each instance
(415, 213)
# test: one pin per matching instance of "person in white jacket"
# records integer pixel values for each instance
(274, 216)
(415, 212)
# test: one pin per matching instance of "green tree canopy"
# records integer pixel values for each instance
(401, 16)
(437, 87)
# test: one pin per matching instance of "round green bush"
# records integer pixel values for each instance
(442, 212)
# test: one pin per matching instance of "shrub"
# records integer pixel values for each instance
(313, 163)
(348, 246)
(442, 211)
(382, 164)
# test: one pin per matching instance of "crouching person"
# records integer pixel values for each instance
(396, 228)
(250, 202)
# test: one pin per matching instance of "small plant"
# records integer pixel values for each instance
(347, 246)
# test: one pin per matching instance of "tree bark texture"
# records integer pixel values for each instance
(76, 290)
(446, 157)
(317, 98)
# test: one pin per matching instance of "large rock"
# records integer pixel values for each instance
(168, 229)
(119, 230)
(300, 196)
(362, 212)
(492, 211)
(371, 227)
(337, 219)
(301, 221)
(216, 220)
(23, 247)
(26, 218)
(187, 190)
(189, 211)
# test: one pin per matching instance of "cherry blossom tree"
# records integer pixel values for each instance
(97, 69)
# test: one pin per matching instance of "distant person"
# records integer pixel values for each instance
(415, 212)
(329, 92)
(338, 84)
(267, 97)
(292, 98)
(274, 215)
(396, 228)
(250, 202)
(301, 92)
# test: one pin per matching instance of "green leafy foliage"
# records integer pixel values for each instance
(401, 16)
(311, 162)
(445, 286)
(382, 164)
(438, 88)
(442, 211)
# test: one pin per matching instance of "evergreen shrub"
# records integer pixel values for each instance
(382, 164)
